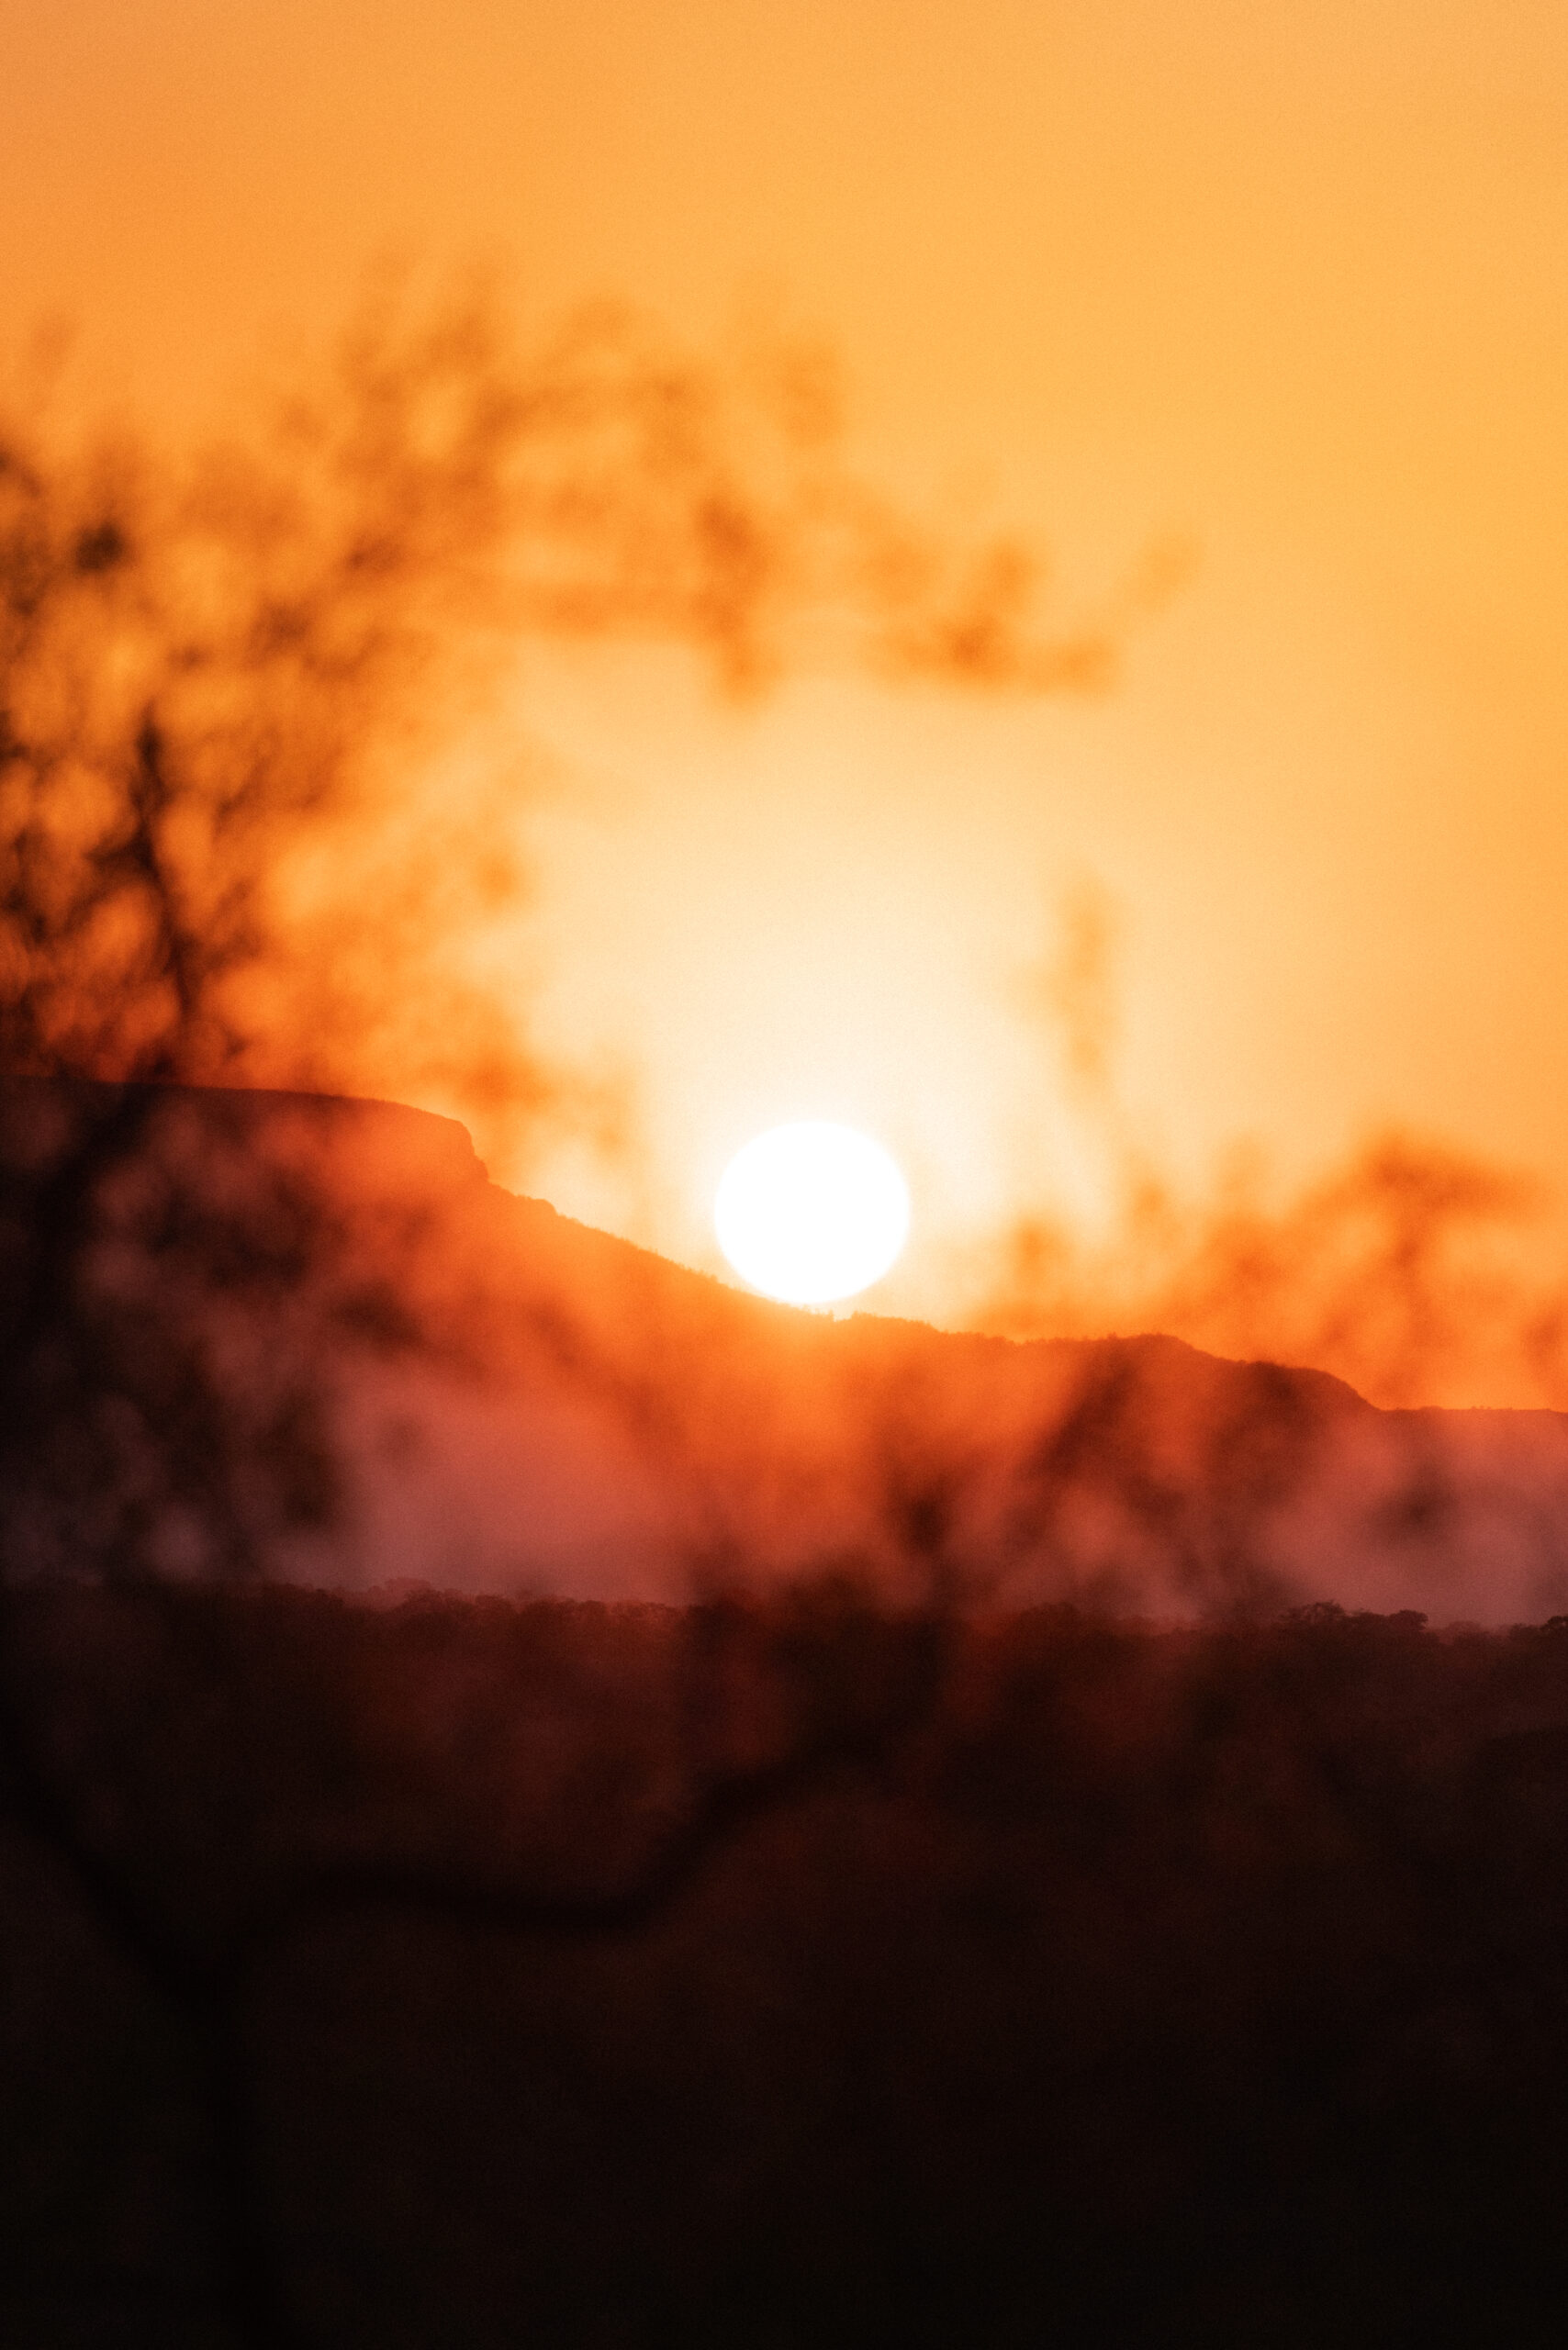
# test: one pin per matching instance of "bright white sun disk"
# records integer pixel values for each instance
(811, 1213)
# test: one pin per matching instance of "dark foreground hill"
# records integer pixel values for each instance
(463, 1973)
(498, 1399)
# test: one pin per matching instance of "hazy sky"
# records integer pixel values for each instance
(1291, 279)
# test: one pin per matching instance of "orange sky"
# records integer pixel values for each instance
(1291, 279)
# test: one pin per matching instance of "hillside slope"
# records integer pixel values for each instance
(522, 1403)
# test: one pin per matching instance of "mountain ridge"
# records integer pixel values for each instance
(628, 1426)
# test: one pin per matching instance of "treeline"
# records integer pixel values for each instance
(435, 1971)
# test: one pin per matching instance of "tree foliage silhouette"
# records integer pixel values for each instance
(1215, 1850)
(215, 680)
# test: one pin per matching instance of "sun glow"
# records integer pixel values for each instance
(811, 1213)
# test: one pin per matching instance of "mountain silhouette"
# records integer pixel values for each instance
(522, 1403)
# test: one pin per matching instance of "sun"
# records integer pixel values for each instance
(811, 1213)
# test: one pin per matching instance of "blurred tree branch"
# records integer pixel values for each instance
(215, 681)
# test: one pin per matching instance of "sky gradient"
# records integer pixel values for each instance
(1287, 283)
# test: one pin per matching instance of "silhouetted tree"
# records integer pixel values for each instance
(214, 681)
